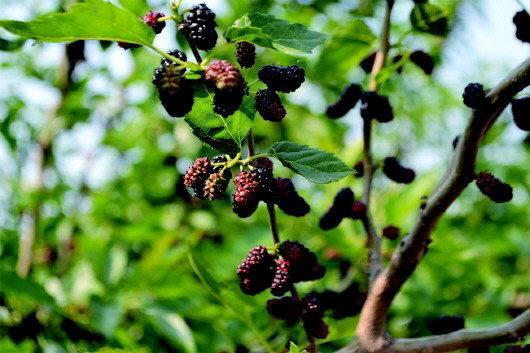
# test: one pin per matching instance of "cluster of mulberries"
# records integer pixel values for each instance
(278, 79)
(292, 263)
(229, 87)
(174, 91)
(391, 232)
(260, 185)
(310, 309)
(395, 171)
(199, 27)
(493, 188)
(150, 19)
(208, 181)
(245, 54)
(517, 349)
(522, 24)
(347, 101)
(474, 95)
(446, 324)
(521, 113)
(376, 106)
(344, 206)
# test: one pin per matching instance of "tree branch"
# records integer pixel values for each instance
(371, 328)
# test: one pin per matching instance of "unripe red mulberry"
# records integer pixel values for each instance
(375, 106)
(246, 197)
(246, 54)
(391, 232)
(282, 78)
(223, 74)
(286, 308)
(282, 282)
(197, 175)
(521, 113)
(397, 172)
(256, 271)
(151, 19)
(269, 105)
(493, 188)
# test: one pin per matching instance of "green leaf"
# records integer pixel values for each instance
(430, 19)
(11, 283)
(174, 328)
(93, 19)
(348, 45)
(293, 348)
(226, 135)
(315, 165)
(269, 32)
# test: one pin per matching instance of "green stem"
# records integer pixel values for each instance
(166, 18)
(234, 161)
(170, 57)
(214, 52)
(521, 4)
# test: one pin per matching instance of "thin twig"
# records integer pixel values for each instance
(272, 222)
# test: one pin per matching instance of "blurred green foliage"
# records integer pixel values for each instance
(125, 258)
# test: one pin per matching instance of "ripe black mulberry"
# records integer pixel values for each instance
(288, 200)
(349, 98)
(521, 113)
(151, 19)
(375, 106)
(285, 308)
(269, 105)
(397, 172)
(391, 232)
(423, 60)
(256, 271)
(493, 188)
(282, 78)
(474, 95)
(199, 27)
(522, 24)
(245, 54)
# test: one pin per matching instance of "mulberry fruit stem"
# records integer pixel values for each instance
(169, 57)
(165, 18)
(232, 162)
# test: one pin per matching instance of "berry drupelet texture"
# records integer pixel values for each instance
(446, 324)
(269, 105)
(197, 175)
(474, 95)
(151, 19)
(282, 78)
(227, 101)
(304, 264)
(391, 232)
(286, 308)
(521, 113)
(177, 54)
(522, 24)
(218, 181)
(375, 106)
(312, 303)
(174, 91)
(348, 99)
(267, 183)
(199, 27)
(256, 271)
(246, 54)
(288, 200)
(246, 197)
(423, 60)
(397, 172)
(282, 282)
(225, 75)
(493, 188)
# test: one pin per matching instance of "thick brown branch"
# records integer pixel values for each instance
(371, 328)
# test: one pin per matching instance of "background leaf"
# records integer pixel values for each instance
(11, 283)
(315, 165)
(269, 32)
(429, 18)
(94, 19)
(223, 134)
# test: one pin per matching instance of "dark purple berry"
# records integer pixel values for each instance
(227, 101)
(314, 326)
(286, 308)
(288, 200)
(199, 27)
(245, 54)
(312, 303)
(397, 59)
(174, 91)
(521, 113)
(375, 106)
(358, 210)
(349, 98)
(474, 95)
(267, 184)
(343, 200)
(256, 271)
(368, 62)
(303, 262)
(359, 168)
(423, 60)
(266, 162)
(269, 105)
(331, 218)
(391, 232)
(446, 324)
(246, 197)
(522, 24)
(177, 54)
(493, 188)
(282, 78)
(151, 19)
(397, 172)
(126, 45)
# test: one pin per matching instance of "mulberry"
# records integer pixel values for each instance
(215, 185)
(282, 282)
(368, 62)
(446, 324)
(246, 54)
(197, 175)
(303, 262)
(282, 78)
(151, 19)
(256, 271)
(177, 54)
(358, 210)
(493, 188)
(266, 162)
(331, 218)
(391, 232)
(397, 59)
(286, 308)
(314, 326)
(397, 172)
(522, 24)
(126, 45)
(423, 60)
(288, 199)
(474, 95)
(359, 169)
(267, 183)
(313, 304)
(375, 106)
(344, 200)
(521, 113)
(246, 197)
(199, 27)
(269, 105)
(349, 98)
(223, 74)
(227, 101)
(174, 91)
